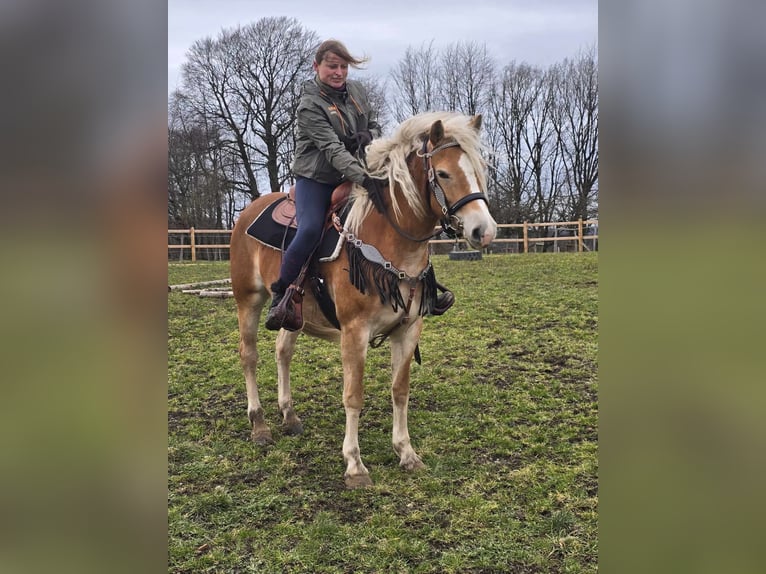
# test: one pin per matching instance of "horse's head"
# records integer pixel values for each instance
(456, 181)
(434, 162)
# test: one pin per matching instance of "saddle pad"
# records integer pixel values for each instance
(271, 233)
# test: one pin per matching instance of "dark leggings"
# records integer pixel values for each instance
(311, 202)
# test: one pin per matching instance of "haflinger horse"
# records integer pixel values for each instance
(382, 283)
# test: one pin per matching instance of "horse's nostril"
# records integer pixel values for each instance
(476, 234)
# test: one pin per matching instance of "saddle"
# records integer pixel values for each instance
(284, 213)
(276, 225)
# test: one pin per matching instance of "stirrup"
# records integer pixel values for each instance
(443, 302)
(275, 318)
(288, 312)
(276, 314)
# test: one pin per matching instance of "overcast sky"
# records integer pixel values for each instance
(539, 32)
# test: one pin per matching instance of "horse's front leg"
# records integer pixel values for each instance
(353, 353)
(403, 344)
(285, 348)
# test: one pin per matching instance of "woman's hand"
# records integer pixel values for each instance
(357, 142)
(363, 139)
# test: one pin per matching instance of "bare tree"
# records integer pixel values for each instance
(510, 110)
(576, 123)
(246, 80)
(415, 80)
(542, 147)
(541, 123)
(197, 181)
(273, 58)
(209, 80)
(467, 75)
(377, 89)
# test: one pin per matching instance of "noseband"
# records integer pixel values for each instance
(451, 223)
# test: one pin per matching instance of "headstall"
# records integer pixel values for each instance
(450, 223)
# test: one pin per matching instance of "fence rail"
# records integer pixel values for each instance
(580, 235)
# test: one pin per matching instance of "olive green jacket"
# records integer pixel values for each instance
(325, 114)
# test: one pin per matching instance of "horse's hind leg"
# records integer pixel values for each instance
(403, 346)
(248, 316)
(284, 354)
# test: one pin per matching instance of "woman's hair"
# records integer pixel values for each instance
(337, 48)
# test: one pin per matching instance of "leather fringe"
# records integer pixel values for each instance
(428, 301)
(366, 275)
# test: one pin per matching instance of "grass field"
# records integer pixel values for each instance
(503, 412)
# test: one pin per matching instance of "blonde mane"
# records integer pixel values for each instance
(387, 158)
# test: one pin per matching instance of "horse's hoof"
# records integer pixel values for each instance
(293, 428)
(412, 464)
(262, 438)
(358, 481)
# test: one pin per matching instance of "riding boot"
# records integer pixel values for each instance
(443, 301)
(275, 317)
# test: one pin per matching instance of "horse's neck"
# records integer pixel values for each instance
(406, 254)
(409, 221)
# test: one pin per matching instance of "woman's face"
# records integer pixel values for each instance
(332, 70)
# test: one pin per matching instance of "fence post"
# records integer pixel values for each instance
(526, 239)
(579, 235)
(193, 246)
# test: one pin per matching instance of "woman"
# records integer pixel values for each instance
(334, 122)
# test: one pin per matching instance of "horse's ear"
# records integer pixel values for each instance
(437, 132)
(475, 122)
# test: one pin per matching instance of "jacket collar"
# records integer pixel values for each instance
(331, 93)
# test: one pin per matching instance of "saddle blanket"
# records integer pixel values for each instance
(276, 235)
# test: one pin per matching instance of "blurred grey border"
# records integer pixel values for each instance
(681, 366)
(83, 313)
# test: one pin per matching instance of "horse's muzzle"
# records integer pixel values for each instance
(480, 235)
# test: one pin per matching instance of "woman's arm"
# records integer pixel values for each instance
(314, 122)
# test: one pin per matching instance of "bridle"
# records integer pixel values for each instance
(450, 222)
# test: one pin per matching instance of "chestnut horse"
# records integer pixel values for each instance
(435, 174)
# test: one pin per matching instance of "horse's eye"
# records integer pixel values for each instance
(442, 174)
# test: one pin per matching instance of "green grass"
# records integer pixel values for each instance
(503, 412)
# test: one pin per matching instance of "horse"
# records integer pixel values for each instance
(382, 283)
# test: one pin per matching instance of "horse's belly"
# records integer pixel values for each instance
(316, 324)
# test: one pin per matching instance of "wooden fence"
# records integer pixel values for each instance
(581, 235)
